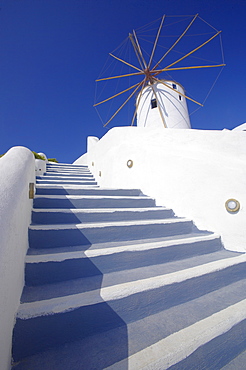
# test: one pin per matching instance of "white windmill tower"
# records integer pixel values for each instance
(159, 106)
(159, 102)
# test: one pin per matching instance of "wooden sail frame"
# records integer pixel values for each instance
(150, 74)
(137, 103)
(178, 92)
(180, 37)
(126, 101)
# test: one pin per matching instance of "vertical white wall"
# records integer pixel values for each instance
(91, 142)
(173, 107)
(194, 172)
(17, 169)
(40, 167)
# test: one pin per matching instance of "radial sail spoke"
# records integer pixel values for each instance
(126, 101)
(178, 92)
(138, 101)
(123, 61)
(139, 49)
(180, 37)
(136, 50)
(127, 75)
(158, 71)
(114, 96)
(156, 40)
(193, 51)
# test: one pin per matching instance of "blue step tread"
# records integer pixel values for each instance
(61, 283)
(184, 304)
(43, 269)
(87, 201)
(109, 275)
(77, 190)
(50, 236)
(65, 216)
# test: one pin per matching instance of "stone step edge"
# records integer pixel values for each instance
(99, 210)
(70, 196)
(108, 224)
(115, 292)
(51, 164)
(61, 168)
(65, 170)
(98, 252)
(67, 173)
(64, 181)
(71, 186)
(177, 346)
(68, 177)
(67, 186)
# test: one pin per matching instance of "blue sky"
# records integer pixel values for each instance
(52, 51)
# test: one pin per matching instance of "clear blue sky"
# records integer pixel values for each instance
(52, 51)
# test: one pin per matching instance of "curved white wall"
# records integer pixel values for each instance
(17, 169)
(192, 171)
(172, 105)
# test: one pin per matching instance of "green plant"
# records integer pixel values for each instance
(53, 160)
(37, 156)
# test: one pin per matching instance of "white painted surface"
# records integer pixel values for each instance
(82, 160)
(91, 142)
(194, 172)
(96, 197)
(90, 225)
(241, 127)
(177, 346)
(60, 182)
(40, 167)
(122, 290)
(89, 253)
(96, 210)
(173, 107)
(17, 168)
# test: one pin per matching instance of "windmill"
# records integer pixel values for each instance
(160, 102)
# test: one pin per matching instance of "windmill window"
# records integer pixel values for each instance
(174, 86)
(180, 97)
(153, 103)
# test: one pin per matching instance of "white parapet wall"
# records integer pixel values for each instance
(17, 171)
(192, 171)
(91, 142)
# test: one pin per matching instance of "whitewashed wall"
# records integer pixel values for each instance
(40, 167)
(192, 171)
(17, 170)
(83, 160)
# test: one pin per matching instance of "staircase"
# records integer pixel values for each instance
(112, 281)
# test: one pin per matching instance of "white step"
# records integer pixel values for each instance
(98, 250)
(178, 346)
(119, 291)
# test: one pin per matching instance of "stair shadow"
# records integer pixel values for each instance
(75, 325)
(109, 321)
(35, 335)
(235, 342)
